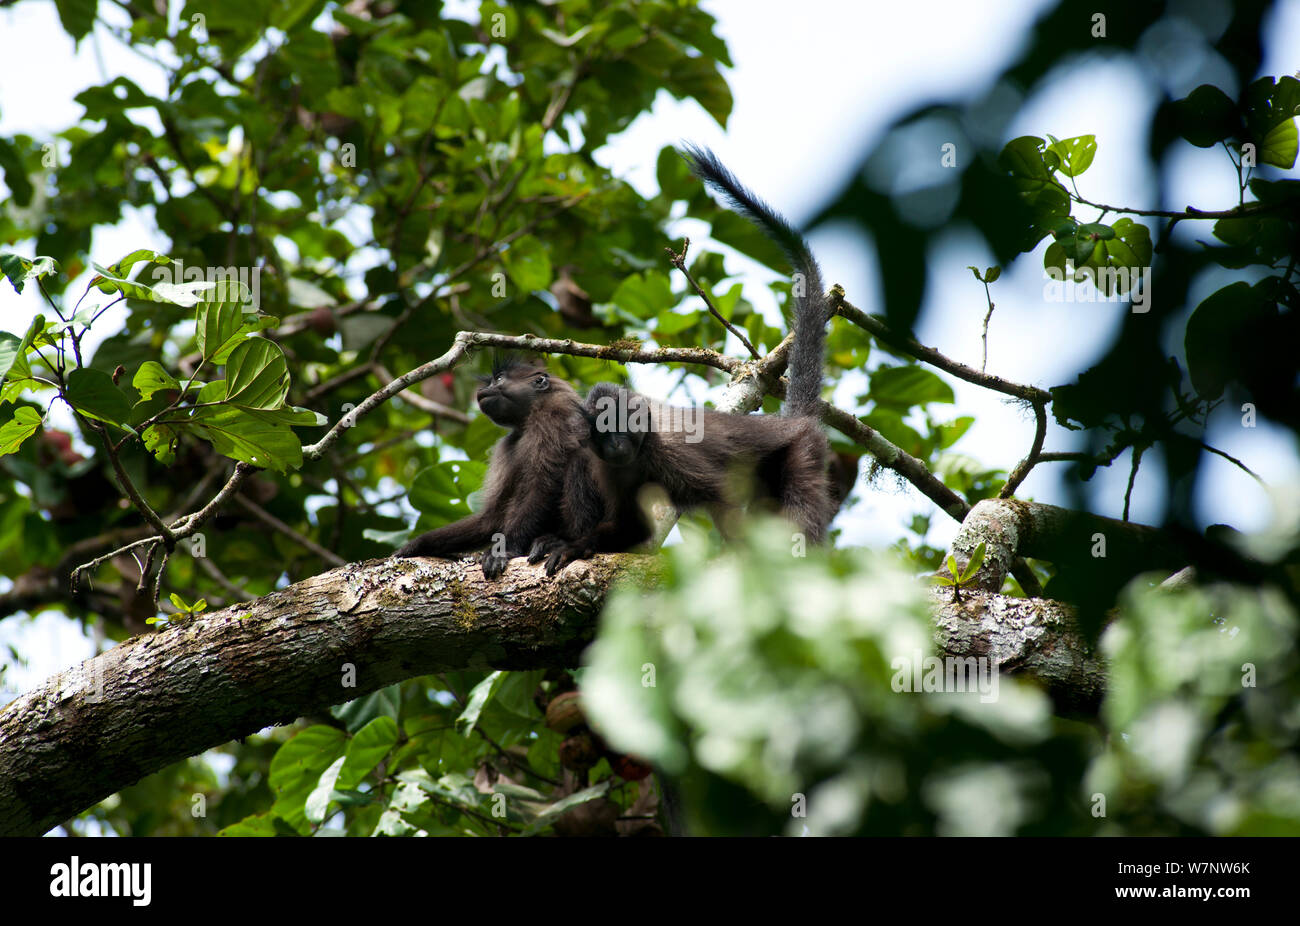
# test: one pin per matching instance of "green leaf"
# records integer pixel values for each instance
(908, 386)
(225, 320)
(160, 440)
(93, 393)
(18, 428)
(366, 749)
(15, 176)
(976, 560)
(562, 806)
(1279, 145)
(1075, 154)
(528, 264)
(443, 490)
(18, 269)
(1098, 230)
(1207, 116)
(113, 98)
(297, 768)
(77, 16)
(258, 437)
(318, 801)
(948, 434)
(645, 295)
(675, 178)
(10, 347)
(123, 266)
(479, 437)
(1213, 335)
(109, 281)
(257, 375)
(1023, 157)
(698, 77)
(151, 377)
(1270, 114)
(889, 422)
(669, 322)
(477, 700)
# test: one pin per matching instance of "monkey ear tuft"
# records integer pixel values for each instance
(503, 361)
(506, 361)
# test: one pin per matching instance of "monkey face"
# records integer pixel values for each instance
(619, 421)
(619, 448)
(508, 396)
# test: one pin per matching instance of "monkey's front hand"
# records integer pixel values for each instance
(557, 553)
(494, 563)
(543, 547)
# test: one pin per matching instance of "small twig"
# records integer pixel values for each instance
(220, 578)
(181, 528)
(74, 578)
(1138, 450)
(429, 406)
(146, 569)
(275, 523)
(1034, 456)
(513, 760)
(914, 348)
(358, 372)
(151, 576)
(1191, 212)
(1231, 459)
(190, 523)
(678, 260)
(1072, 456)
(138, 500)
(984, 364)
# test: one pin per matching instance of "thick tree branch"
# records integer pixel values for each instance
(1023, 635)
(160, 697)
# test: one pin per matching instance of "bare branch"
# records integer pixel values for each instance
(275, 523)
(678, 260)
(428, 406)
(1034, 456)
(880, 329)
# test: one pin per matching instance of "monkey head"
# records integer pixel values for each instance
(620, 421)
(509, 394)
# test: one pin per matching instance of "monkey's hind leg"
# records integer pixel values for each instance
(805, 491)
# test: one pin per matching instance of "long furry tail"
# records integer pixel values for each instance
(810, 315)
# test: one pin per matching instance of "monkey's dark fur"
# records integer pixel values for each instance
(784, 459)
(567, 481)
(543, 476)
